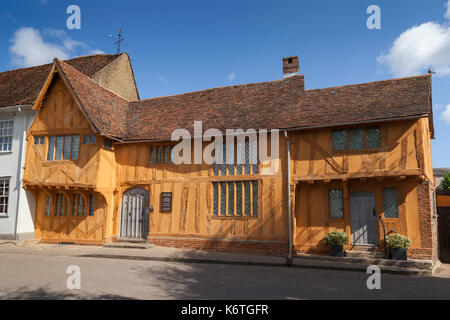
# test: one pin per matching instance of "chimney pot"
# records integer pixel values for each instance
(291, 66)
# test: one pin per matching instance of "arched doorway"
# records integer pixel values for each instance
(134, 220)
(363, 216)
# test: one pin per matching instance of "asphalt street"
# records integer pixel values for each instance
(26, 276)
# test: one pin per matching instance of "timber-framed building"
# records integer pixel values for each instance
(100, 167)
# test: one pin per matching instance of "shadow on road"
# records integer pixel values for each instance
(45, 294)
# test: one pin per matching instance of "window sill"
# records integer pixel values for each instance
(5, 152)
(4, 215)
(58, 162)
(234, 217)
(359, 151)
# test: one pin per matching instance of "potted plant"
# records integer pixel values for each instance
(398, 244)
(336, 240)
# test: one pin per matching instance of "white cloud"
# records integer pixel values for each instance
(29, 48)
(446, 114)
(97, 51)
(161, 78)
(231, 77)
(419, 48)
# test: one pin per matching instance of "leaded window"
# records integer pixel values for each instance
(67, 147)
(223, 167)
(255, 197)
(6, 135)
(231, 198)
(4, 195)
(91, 205)
(239, 158)
(39, 140)
(356, 138)
(51, 148)
(340, 140)
(247, 157)
(239, 198)
(255, 157)
(79, 206)
(247, 202)
(161, 155)
(75, 147)
(63, 147)
(235, 198)
(48, 206)
(223, 198)
(336, 203)
(390, 202)
(373, 137)
(90, 139)
(61, 205)
(216, 198)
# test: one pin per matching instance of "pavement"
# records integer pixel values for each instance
(38, 271)
(164, 254)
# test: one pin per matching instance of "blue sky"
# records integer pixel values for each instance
(182, 46)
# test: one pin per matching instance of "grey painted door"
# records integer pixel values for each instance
(363, 216)
(134, 221)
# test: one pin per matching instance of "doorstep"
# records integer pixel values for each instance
(423, 268)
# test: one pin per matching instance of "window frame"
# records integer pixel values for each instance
(156, 159)
(348, 130)
(7, 136)
(329, 203)
(52, 148)
(384, 203)
(5, 181)
(245, 205)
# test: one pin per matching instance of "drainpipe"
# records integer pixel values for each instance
(288, 185)
(20, 175)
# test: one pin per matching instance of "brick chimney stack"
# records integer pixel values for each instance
(291, 66)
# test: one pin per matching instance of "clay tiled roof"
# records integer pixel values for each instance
(22, 86)
(105, 110)
(373, 101)
(237, 107)
(282, 104)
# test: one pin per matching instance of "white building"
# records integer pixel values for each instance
(18, 91)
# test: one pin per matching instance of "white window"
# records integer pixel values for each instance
(4, 194)
(6, 134)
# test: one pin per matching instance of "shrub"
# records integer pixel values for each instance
(398, 241)
(336, 238)
(446, 182)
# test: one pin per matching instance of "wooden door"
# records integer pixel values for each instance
(364, 225)
(134, 222)
(444, 234)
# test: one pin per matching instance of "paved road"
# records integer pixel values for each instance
(25, 276)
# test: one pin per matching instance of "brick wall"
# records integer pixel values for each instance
(427, 225)
(272, 248)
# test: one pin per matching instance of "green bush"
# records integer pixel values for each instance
(446, 182)
(398, 241)
(336, 238)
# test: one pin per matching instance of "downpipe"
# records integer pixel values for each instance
(288, 185)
